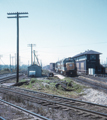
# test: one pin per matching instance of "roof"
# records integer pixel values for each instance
(65, 59)
(34, 65)
(86, 53)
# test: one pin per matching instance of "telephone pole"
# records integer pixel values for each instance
(31, 45)
(15, 61)
(10, 62)
(0, 57)
(17, 16)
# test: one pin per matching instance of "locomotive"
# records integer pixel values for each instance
(66, 66)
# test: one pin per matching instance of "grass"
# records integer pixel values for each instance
(47, 85)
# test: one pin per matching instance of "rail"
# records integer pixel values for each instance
(63, 104)
(27, 111)
(1, 118)
(62, 97)
(8, 77)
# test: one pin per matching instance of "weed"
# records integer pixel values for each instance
(41, 85)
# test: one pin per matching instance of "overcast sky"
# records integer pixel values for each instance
(59, 28)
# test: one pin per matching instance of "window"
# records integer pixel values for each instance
(92, 57)
(82, 66)
(77, 64)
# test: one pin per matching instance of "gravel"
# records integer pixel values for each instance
(95, 96)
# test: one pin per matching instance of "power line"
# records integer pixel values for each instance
(2, 62)
(74, 45)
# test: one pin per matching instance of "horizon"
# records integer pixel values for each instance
(60, 29)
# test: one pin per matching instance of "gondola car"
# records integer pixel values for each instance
(66, 66)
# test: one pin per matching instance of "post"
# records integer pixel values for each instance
(0, 58)
(31, 54)
(17, 47)
(15, 61)
(10, 62)
(17, 16)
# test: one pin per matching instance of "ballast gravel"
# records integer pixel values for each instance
(95, 96)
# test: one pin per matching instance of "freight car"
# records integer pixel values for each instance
(66, 66)
(52, 66)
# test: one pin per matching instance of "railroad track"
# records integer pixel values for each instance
(1, 118)
(29, 115)
(97, 84)
(84, 109)
(3, 79)
(102, 79)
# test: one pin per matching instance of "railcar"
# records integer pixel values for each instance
(66, 66)
(52, 66)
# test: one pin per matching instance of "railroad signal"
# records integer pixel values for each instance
(17, 17)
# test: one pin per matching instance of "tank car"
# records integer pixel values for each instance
(66, 66)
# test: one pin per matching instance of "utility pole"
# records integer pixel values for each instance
(10, 62)
(106, 61)
(15, 61)
(31, 45)
(19, 61)
(17, 16)
(1, 56)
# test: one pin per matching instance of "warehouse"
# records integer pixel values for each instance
(34, 71)
(88, 62)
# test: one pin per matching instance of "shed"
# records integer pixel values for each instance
(34, 70)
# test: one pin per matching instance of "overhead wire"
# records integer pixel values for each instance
(2, 61)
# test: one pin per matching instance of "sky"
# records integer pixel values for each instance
(59, 28)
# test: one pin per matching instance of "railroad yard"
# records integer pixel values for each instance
(55, 98)
(53, 65)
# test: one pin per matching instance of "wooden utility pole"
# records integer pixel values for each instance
(1, 56)
(17, 17)
(10, 62)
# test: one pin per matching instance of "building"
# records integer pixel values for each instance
(35, 71)
(88, 61)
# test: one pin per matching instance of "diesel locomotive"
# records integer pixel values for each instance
(66, 66)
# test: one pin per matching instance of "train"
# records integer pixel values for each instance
(65, 66)
(87, 63)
